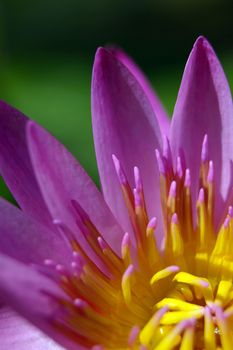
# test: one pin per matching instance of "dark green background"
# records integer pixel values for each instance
(47, 48)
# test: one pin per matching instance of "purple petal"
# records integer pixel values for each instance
(204, 106)
(62, 179)
(158, 108)
(15, 164)
(124, 124)
(17, 334)
(33, 296)
(25, 239)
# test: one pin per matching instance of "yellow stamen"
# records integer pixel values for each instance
(175, 296)
(168, 271)
(127, 284)
(209, 333)
(223, 290)
(224, 329)
(172, 338)
(176, 304)
(177, 316)
(147, 332)
(188, 278)
(188, 339)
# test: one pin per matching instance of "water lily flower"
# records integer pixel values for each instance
(147, 264)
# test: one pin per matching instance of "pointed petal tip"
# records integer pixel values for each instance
(201, 40)
(202, 46)
(102, 69)
(100, 55)
(100, 50)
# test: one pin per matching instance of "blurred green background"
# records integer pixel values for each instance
(47, 48)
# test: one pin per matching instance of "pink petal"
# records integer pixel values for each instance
(158, 108)
(15, 164)
(33, 296)
(25, 239)
(17, 334)
(124, 124)
(62, 179)
(204, 106)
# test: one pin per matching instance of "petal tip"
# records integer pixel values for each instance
(100, 67)
(100, 55)
(200, 41)
(202, 46)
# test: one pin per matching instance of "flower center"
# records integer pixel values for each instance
(177, 297)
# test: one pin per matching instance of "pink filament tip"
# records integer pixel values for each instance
(57, 222)
(201, 196)
(160, 162)
(226, 222)
(230, 211)
(137, 178)
(186, 323)
(126, 240)
(218, 312)
(204, 284)
(81, 304)
(103, 245)
(133, 335)
(119, 170)
(174, 219)
(210, 176)
(187, 180)
(60, 268)
(74, 265)
(129, 271)
(49, 262)
(152, 223)
(174, 268)
(76, 255)
(76, 268)
(205, 149)
(179, 169)
(172, 191)
(79, 260)
(191, 322)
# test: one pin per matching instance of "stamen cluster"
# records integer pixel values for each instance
(179, 296)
